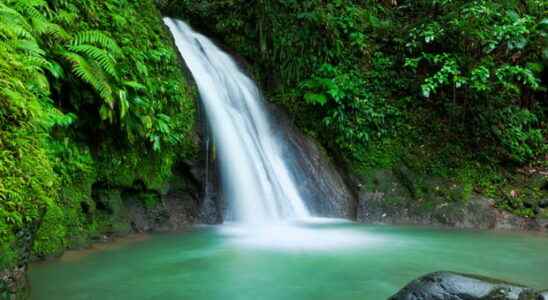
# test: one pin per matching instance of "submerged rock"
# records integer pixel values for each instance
(455, 286)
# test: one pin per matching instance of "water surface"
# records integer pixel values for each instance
(321, 261)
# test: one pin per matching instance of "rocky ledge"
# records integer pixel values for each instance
(455, 286)
(397, 196)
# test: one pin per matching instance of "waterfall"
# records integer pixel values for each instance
(258, 184)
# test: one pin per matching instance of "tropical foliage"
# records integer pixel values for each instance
(90, 94)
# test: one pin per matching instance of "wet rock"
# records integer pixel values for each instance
(386, 199)
(174, 210)
(393, 196)
(210, 212)
(508, 221)
(454, 286)
(543, 224)
(14, 284)
(322, 185)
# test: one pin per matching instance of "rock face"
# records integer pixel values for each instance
(172, 212)
(14, 283)
(454, 286)
(321, 185)
(137, 209)
(393, 196)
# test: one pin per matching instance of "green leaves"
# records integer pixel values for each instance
(449, 72)
(315, 99)
(90, 72)
(75, 76)
(101, 56)
(518, 134)
(98, 38)
(352, 115)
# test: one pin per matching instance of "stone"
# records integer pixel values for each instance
(322, 184)
(455, 286)
(508, 221)
(14, 283)
(385, 199)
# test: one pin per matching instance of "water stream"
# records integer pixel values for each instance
(258, 184)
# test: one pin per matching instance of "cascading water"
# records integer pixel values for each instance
(257, 184)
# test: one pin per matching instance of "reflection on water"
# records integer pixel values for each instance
(310, 260)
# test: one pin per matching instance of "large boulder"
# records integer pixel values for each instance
(454, 286)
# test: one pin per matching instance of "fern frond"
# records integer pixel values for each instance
(102, 57)
(94, 37)
(38, 62)
(134, 84)
(90, 74)
(27, 46)
(65, 17)
(43, 27)
(13, 23)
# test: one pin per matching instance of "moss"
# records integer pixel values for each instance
(50, 238)
(124, 169)
(7, 246)
(150, 199)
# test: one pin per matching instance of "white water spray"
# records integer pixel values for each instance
(258, 185)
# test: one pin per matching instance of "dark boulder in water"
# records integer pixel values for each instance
(455, 286)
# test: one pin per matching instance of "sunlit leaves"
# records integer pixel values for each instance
(315, 99)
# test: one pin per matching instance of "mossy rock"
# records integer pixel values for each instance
(50, 239)
(448, 286)
(108, 200)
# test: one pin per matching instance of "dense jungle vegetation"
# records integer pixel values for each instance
(91, 93)
(450, 88)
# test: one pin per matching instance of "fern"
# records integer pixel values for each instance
(94, 37)
(44, 27)
(28, 46)
(13, 24)
(101, 56)
(92, 75)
